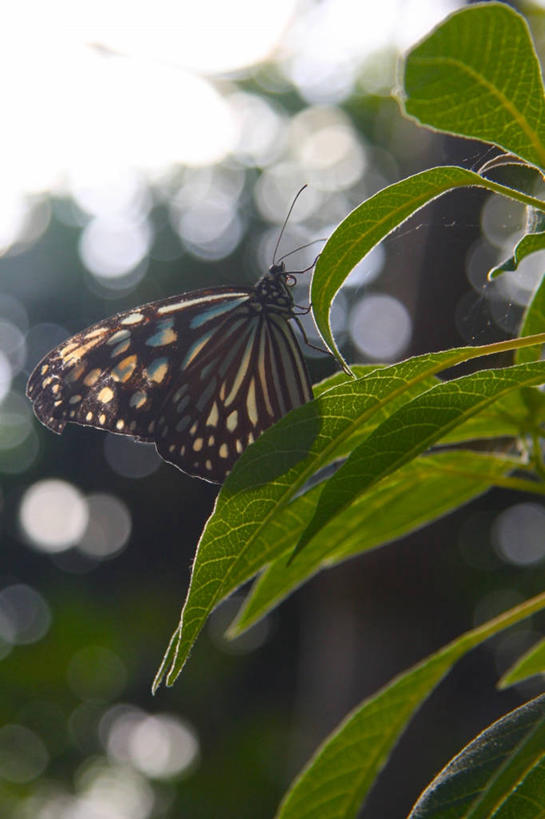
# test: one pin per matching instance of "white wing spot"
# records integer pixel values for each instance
(102, 418)
(223, 451)
(105, 395)
(193, 429)
(122, 347)
(121, 335)
(198, 444)
(120, 424)
(251, 404)
(89, 416)
(137, 400)
(92, 377)
(232, 421)
(98, 331)
(76, 372)
(208, 464)
(157, 369)
(238, 445)
(124, 369)
(75, 399)
(213, 417)
(133, 318)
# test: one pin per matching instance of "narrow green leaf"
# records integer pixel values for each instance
(509, 416)
(358, 370)
(531, 663)
(375, 219)
(477, 75)
(501, 774)
(338, 778)
(422, 491)
(413, 428)
(285, 456)
(530, 243)
(252, 518)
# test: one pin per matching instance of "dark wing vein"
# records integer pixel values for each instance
(242, 380)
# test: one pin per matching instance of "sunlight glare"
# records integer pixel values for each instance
(98, 93)
(112, 246)
(53, 515)
(380, 327)
(210, 36)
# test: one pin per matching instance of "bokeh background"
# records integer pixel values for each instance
(149, 149)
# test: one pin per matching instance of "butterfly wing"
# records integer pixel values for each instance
(115, 375)
(201, 374)
(231, 387)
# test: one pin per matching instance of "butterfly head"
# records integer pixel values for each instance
(273, 289)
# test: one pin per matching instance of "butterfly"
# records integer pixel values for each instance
(201, 374)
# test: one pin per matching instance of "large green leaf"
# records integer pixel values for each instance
(375, 219)
(477, 75)
(500, 775)
(253, 517)
(414, 427)
(422, 491)
(338, 778)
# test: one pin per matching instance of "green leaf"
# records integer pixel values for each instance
(358, 370)
(477, 75)
(533, 322)
(530, 243)
(422, 491)
(497, 776)
(254, 521)
(413, 428)
(375, 219)
(249, 521)
(531, 663)
(507, 417)
(338, 778)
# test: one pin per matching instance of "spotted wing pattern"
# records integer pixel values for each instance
(202, 375)
(115, 374)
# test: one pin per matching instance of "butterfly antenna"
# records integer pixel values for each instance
(297, 195)
(297, 249)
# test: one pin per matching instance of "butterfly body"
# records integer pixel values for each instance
(201, 374)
